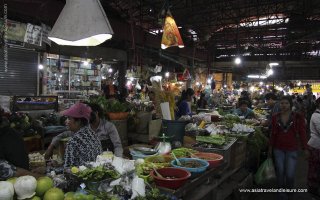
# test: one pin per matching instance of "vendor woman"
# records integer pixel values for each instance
(106, 131)
(84, 145)
(183, 105)
(244, 111)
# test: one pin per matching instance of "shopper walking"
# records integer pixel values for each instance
(314, 149)
(288, 133)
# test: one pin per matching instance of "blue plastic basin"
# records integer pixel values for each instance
(194, 171)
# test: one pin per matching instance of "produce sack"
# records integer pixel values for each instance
(265, 172)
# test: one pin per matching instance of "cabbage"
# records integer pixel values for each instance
(6, 190)
(25, 187)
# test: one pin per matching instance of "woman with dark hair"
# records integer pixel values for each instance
(106, 131)
(288, 132)
(84, 145)
(183, 106)
(314, 149)
(202, 102)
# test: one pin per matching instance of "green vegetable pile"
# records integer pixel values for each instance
(230, 118)
(144, 169)
(97, 174)
(153, 194)
(213, 139)
(257, 142)
(183, 152)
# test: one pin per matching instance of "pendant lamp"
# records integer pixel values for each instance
(171, 35)
(81, 23)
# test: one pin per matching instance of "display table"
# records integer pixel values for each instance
(207, 185)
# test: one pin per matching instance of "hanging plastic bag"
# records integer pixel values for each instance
(265, 172)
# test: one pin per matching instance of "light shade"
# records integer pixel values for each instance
(81, 23)
(171, 36)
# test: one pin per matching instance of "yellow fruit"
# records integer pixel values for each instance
(74, 170)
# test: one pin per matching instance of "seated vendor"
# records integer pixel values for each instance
(84, 145)
(244, 111)
(183, 106)
(106, 131)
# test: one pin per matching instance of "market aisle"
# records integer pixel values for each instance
(301, 183)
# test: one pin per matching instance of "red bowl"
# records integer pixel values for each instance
(213, 159)
(180, 174)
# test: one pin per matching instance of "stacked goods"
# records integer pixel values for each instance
(162, 96)
(167, 96)
(36, 160)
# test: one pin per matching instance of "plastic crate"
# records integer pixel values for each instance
(225, 151)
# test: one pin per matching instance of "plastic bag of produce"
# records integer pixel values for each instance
(123, 165)
(265, 172)
(138, 187)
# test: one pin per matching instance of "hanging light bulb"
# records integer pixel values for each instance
(167, 74)
(237, 61)
(171, 35)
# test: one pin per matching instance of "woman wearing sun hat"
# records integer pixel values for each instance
(84, 146)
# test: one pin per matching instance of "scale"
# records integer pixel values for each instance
(163, 147)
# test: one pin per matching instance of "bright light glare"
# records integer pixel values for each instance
(209, 81)
(273, 64)
(261, 83)
(167, 74)
(110, 70)
(40, 67)
(197, 83)
(85, 63)
(251, 88)
(90, 41)
(237, 61)
(270, 72)
(263, 77)
(264, 21)
(253, 76)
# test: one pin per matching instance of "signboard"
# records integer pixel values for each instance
(15, 31)
(45, 33)
(33, 35)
